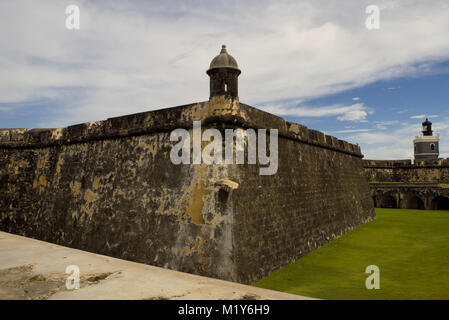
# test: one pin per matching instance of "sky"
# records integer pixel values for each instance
(313, 62)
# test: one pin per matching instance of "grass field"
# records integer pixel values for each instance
(410, 247)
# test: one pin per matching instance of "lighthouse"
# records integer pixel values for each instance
(426, 144)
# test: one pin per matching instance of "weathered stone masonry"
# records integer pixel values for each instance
(436, 171)
(109, 187)
(401, 184)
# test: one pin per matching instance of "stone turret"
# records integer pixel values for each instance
(223, 73)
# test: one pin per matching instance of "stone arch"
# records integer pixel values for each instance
(386, 201)
(440, 203)
(415, 202)
(375, 201)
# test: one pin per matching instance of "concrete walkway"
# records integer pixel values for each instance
(32, 269)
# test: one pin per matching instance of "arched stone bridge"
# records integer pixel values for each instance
(410, 196)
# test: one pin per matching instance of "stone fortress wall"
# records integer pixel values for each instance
(431, 171)
(401, 184)
(109, 187)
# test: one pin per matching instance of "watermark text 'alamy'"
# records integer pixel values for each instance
(212, 153)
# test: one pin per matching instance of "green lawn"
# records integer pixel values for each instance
(410, 247)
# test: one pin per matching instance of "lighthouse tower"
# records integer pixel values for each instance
(426, 144)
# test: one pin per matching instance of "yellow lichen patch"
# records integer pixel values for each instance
(75, 186)
(4, 133)
(197, 244)
(216, 106)
(151, 147)
(123, 132)
(294, 128)
(42, 181)
(221, 106)
(197, 112)
(93, 124)
(164, 205)
(41, 163)
(149, 118)
(140, 162)
(90, 196)
(22, 163)
(188, 250)
(96, 183)
(58, 164)
(192, 200)
(56, 134)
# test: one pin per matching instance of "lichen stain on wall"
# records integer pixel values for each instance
(191, 249)
(89, 198)
(216, 106)
(20, 165)
(150, 145)
(42, 181)
(75, 186)
(96, 183)
(192, 200)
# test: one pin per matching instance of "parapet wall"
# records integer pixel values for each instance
(169, 119)
(428, 171)
(109, 187)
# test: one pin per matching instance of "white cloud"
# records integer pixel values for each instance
(422, 116)
(397, 142)
(5, 108)
(383, 125)
(139, 56)
(351, 131)
(356, 98)
(355, 112)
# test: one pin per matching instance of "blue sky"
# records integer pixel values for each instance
(397, 108)
(312, 62)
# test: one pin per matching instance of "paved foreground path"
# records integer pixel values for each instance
(33, 269)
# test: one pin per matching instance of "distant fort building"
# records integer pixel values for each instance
(426, 144)
(423, 184)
